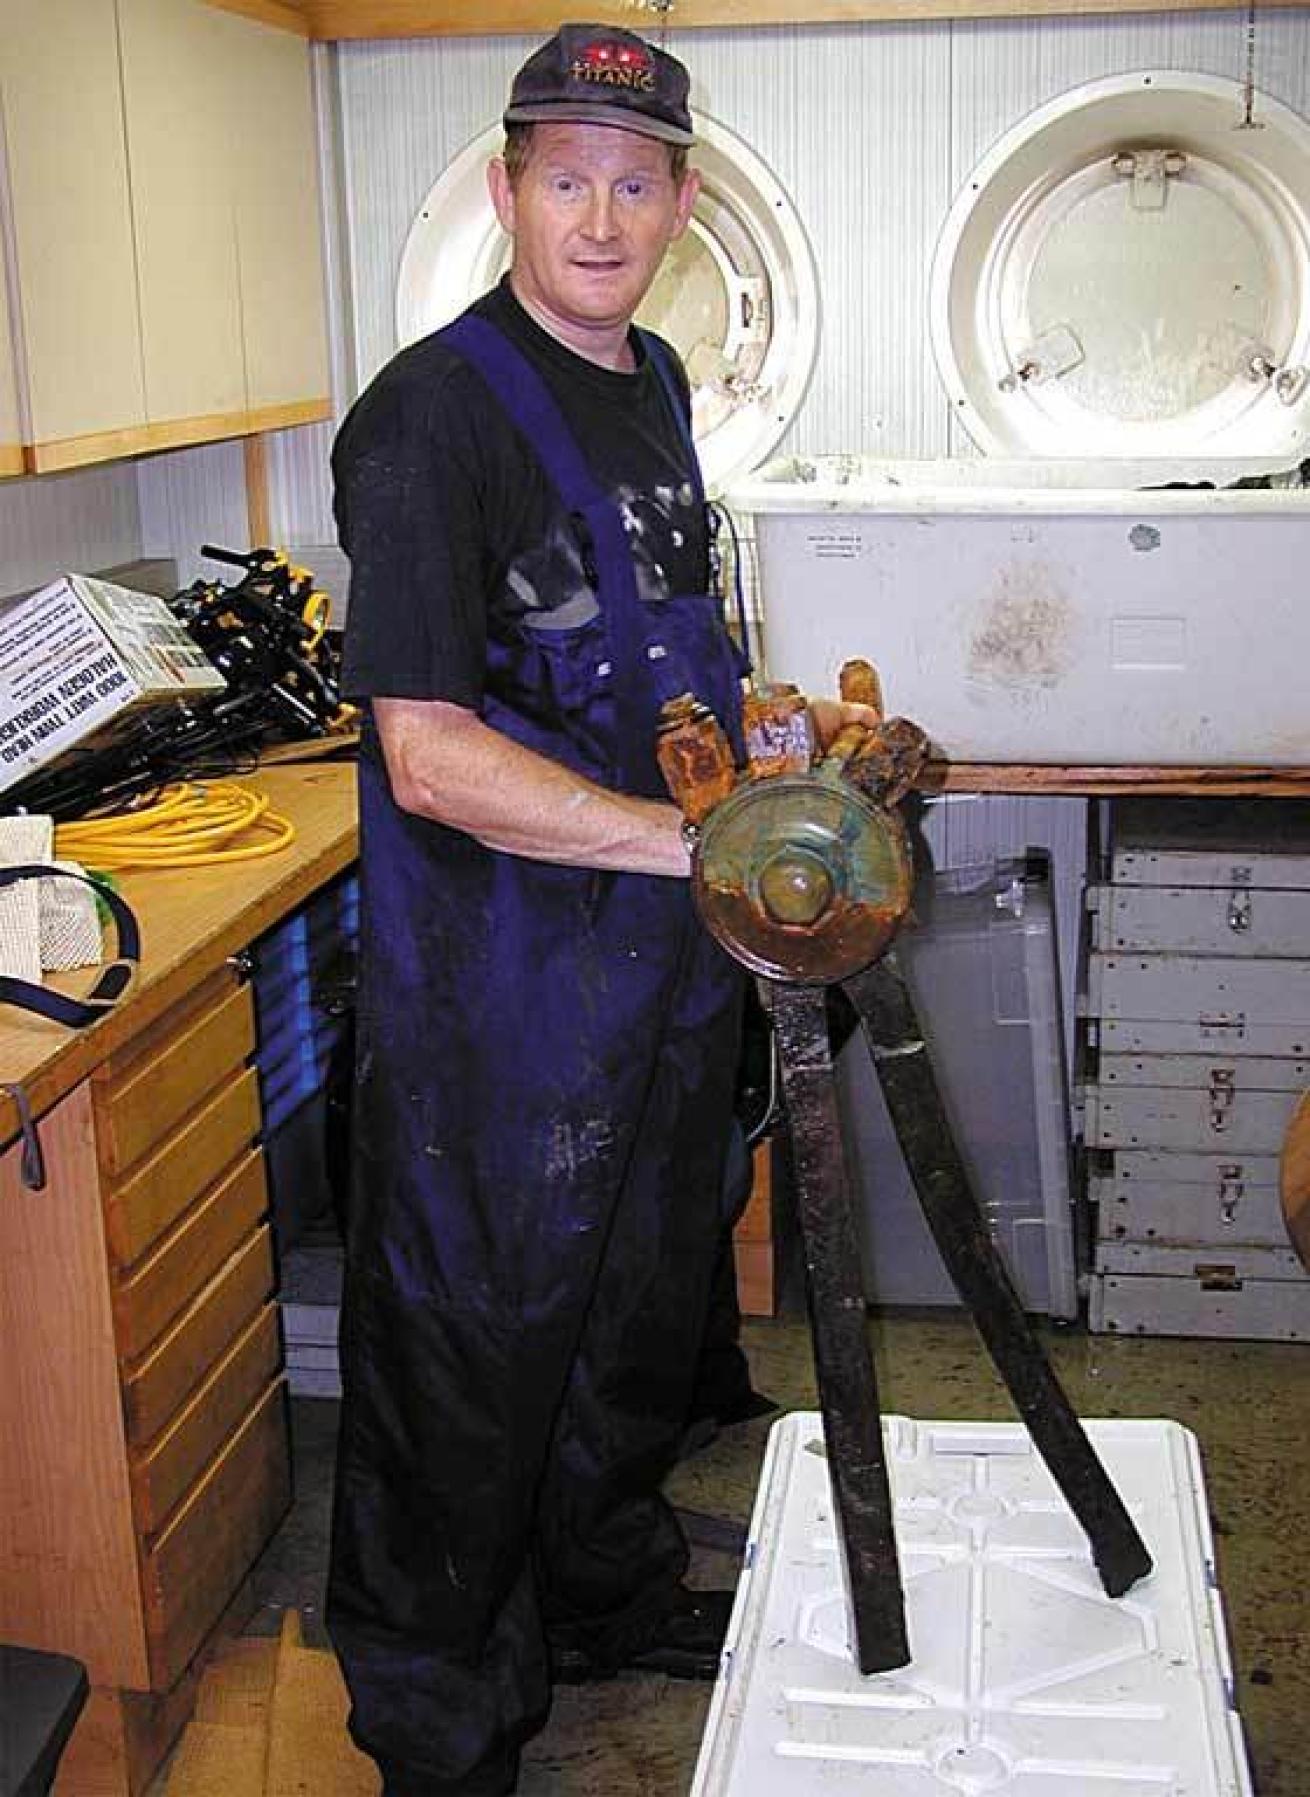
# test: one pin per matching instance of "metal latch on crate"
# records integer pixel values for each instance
(1239, 901)
(1222, 1025)
(1223, 1093)
(1215, 1277)
(1232, 1189)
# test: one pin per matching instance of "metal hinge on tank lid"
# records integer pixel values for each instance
(1150, 172)
(1287, 383)
(1046, 358)
(710, 370)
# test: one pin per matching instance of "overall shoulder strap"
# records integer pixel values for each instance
(658, 354)
(530, 404)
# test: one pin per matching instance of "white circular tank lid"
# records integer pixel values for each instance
(1127, 273)
(737, 296)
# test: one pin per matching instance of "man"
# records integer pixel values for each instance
(547, 1038)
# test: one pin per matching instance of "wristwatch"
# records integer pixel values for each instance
(690, 835)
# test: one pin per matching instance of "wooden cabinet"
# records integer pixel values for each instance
(179, 136)
(69, 207)
(143, 1447)
(274, 159)
(164, 212)
(143, 1451)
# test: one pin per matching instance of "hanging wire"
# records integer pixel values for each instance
(662, 8)
(1249, 122)
(720, 515)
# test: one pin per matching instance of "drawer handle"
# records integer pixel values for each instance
(32, 1166)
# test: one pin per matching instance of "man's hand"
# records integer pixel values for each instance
(831, 716)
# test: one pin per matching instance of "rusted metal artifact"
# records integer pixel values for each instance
(804, 874)
(695, 756)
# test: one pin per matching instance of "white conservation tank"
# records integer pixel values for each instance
(1121, 319)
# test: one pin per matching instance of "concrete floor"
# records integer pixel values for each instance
(1249, 1404)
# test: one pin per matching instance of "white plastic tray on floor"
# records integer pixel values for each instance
(1025, 1680)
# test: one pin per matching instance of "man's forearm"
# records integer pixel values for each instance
(444, 763)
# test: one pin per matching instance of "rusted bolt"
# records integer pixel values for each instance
(795, 887)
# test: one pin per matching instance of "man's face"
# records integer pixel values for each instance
(592, 214)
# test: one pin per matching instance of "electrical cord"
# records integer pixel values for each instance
(188, 825)
(720, 513)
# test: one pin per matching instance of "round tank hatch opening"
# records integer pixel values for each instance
(1127, 274)
(737, 295)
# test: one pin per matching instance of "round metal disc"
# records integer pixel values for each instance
(802, 878)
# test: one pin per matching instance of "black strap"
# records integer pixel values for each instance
(115, 978)
(715, 511)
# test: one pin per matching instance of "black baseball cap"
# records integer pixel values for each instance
(602, 75)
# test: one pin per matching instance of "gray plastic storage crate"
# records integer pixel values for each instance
(980, 956)
(1199, 1032)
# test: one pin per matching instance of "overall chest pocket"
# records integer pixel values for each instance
(562, 670)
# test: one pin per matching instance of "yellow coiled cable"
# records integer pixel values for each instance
(189, 825)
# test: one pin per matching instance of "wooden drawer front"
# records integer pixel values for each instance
(136, 1109)
(162, 1477)
(209, 1547)
(167, 1184)
(201, 1335)
(166, 1281)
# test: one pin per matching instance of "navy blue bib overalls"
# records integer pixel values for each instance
(546, 1065)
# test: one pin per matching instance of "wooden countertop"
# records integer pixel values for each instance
(191, 921)
(1018, 779)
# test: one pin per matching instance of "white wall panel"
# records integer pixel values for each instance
(869, 193)
(190, 497)
(871, 127)
(300, 485)
(1282, 64)
(74, 522)
(407, 108)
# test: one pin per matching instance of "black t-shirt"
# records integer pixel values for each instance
(454, 532)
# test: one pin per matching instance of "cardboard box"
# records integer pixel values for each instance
(80, 655)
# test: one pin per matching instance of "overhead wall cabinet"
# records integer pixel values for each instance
(162, 208)
(69, 204)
